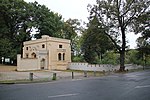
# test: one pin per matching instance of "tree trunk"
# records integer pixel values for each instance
(122, 58)
(21, 49)
(122, 51)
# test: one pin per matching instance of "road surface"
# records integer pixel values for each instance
(130, 86)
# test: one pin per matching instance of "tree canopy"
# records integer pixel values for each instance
(95, 42)
(17, 21)
(109, 23)
(119, 17)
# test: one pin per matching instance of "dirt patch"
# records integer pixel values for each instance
(7, 68)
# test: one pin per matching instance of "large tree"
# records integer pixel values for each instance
(18, 19)
(70, 31)
(95, 42)
(143, 48)
(14, 28)
(45, 21)
(118, 18)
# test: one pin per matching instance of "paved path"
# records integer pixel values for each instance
(14, 75)
(9, 73)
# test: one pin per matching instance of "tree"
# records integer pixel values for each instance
(118, 17)
(45, 21)
(142, 26)
(95, 42)
(14, 27)
(18, 19)
(132, 57)
(143, 42)
(144, 49)
(70, 31)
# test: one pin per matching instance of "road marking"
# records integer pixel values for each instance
(63, 95)
(76, 79)
(144, 86)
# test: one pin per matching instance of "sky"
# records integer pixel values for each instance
(77, 9)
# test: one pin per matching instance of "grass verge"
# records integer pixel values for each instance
(24, 81)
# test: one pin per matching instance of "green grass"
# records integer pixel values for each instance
(24, 81)
(89, 73)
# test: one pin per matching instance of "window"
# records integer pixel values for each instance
(59, 56)
(60, 46)
(27, 55)
(26, 48)
(63, 56)
(43, 45)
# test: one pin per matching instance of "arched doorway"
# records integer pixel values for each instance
(43, 63)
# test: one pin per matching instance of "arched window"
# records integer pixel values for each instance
(33, 55)
(59, 56)
(63, 56)
(43, 45)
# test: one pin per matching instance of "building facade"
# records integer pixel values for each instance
(46, 53)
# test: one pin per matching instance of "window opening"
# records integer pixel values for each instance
(60, 46)
(43, 45)
(63, 56)
(59, 56)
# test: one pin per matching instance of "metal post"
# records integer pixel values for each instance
(72, 75)
(31, 76)
(85, 73)
(54, 76)
(94, 73)
(104, 72)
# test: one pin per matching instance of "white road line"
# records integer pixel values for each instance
(63, 95)
(144, 86)
(76, 79)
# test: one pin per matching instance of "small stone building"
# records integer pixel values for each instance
(46, 53)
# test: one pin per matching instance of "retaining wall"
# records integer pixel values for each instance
(99, 67)
(26, 64)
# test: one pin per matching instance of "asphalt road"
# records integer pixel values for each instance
(130, 86)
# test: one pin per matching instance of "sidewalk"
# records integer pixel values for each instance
(9, 73)
(14, 75)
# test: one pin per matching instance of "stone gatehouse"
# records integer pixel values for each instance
(46, 53)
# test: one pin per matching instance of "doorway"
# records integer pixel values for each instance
(43, 63)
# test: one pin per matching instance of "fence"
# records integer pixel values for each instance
(99, 67)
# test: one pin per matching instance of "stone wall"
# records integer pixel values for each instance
(99, 67)
(27, 64)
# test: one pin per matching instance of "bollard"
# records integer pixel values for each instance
(85, 73)
(94, 73)
(72, 75)
(54, 76)
(31, 76)
(104, 72)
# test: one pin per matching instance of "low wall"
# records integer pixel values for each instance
(26, 64)
(132, 66)
(99, 67)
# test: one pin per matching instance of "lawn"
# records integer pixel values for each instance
(5, 68)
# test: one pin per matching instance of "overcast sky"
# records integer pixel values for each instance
(76, 9)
